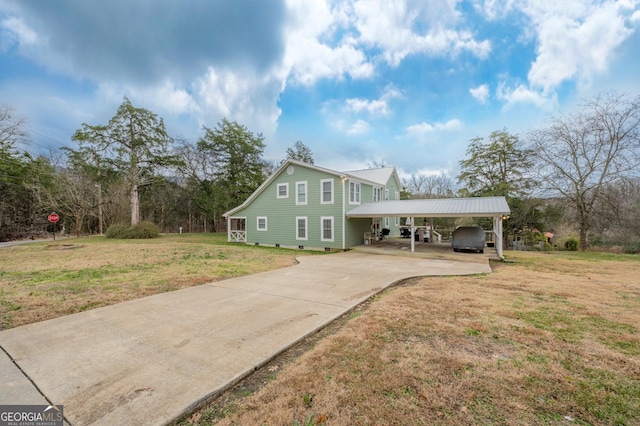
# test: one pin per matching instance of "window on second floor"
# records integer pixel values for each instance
(301, 193)
(377, 194)
(386, 195)
(261, 223)
(354, 192)
(283, 190)
(326, 191)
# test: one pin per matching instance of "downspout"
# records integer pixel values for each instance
(344, 214)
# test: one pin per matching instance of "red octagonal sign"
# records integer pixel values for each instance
(53, 217)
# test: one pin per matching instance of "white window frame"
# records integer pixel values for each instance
(397, 195)
(397, 221)
(306, 193)
(282, 185)
(386, 222)
(306, 228)
(386, 194)
(322, 182)
(377, 194)
(322, 237)
(258, 218)
(355, 197)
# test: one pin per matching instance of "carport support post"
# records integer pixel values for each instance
(497, 228)
(413, 238)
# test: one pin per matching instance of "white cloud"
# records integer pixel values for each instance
(402, 28)
(358, 128)
(522, 94)
(14, 30)
(494, 9)
(239, 95)
(481, 93)
(376, 106)
(344, 38)
(424, 127)
(309, 53)
(575, 39)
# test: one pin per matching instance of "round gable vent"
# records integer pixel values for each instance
(290, 170)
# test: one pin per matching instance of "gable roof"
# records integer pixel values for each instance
(271, 178)
(379, 176)
(435, 207)
(371, 176)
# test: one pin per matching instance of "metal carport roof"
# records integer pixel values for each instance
(435, 207)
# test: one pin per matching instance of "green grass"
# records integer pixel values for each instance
(44, 280)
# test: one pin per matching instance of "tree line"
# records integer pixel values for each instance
(579, 173)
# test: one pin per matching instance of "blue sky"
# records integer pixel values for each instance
(404, 82)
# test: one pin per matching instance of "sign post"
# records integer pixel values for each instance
(54, 218)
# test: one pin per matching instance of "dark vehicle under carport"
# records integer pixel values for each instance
(468, 238)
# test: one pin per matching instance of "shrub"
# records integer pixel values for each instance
(571, 244)
(633, 248)
(144, 230)
(139, 231)
(116, 230)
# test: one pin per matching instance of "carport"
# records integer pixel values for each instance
(493, 207)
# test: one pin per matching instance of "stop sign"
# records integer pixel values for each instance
(53, 217)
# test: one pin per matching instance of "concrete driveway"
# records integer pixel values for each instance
(150, 360)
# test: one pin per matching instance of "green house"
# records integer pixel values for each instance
(306, 207)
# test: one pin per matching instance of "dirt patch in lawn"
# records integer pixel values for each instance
(548, 339)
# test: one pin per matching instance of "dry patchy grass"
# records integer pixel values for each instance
(548, 339)
(45, 280)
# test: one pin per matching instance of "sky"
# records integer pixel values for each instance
(405, 83)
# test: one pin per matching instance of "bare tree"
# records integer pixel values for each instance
(429, 186)
(580, 154)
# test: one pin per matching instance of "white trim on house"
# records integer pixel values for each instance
(270, 179)
(322, 228)
(237, 235)
(322, 191)
(355, 196)
(298, 193)
(286, 190)
(377, 194)
(306, 228)
(258, 227)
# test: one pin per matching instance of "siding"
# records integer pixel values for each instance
(281, 213)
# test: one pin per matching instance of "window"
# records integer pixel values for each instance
(354, 192)
(283, 190)
(386, 222)
(301, 228)
(326, 224)
(261, 223)
(397, 196)
(301, 193)
(377, 194)
(326, 191)
(397, 221)
(386, 195)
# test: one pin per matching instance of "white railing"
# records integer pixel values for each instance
(438, 236)
(238, 236)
